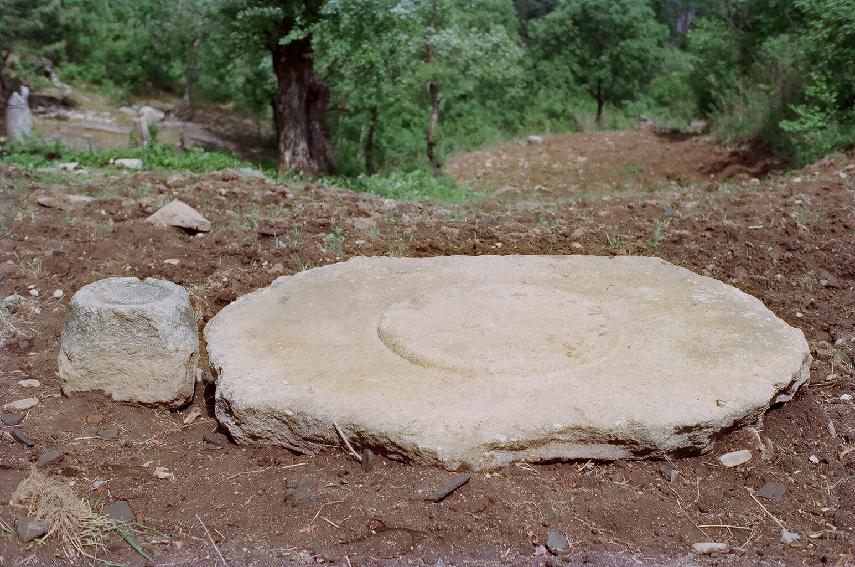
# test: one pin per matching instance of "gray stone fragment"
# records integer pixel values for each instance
(119, 510)
(669, 472)
(217, 439)
(128, 163)
(772, 491)
(29, 383)
(557, 543)
(367, 462)
(443, 491)
(22, 437)
(710, 548)
(108, 433)
(11, 418)
(735, 458)
(788, 537)
(300, 494)
(135, 341)
(21, 405)
(29, 529)
(50, 457)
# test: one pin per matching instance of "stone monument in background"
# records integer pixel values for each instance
(19, 119)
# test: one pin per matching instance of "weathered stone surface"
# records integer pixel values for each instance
(119, 510)
(133, 340)
(30, 529)
(486, 360)
(21, 405)
(181, 215)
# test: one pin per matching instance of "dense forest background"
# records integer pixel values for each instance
(365, 86)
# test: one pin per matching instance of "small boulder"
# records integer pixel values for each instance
(29, 383)
(29, 529)
(181, 215)
(22, 437)
(534, 139)
(772, 491)
(11, 418)
(133, 340)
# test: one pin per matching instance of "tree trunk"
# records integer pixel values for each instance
(368, 148)
(433, 92)
(600, 104)
(299, 104)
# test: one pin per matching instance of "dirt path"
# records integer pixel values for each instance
(788, 240)
(564, 165)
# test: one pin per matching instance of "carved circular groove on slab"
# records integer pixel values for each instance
(475, 330)
(481, 361)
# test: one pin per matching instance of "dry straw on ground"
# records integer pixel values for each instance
(67, 516)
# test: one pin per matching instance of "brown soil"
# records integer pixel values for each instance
(789, 240)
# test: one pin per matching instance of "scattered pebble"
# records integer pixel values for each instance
(21, 405)
(108, 433)
(556, 543)
(29, 529)
(788, 537)
(217, 439)
(34, 292)
(50, 457)
(29, 383)
(21, 436)
(11, 418)
(367, 462)
(172, 261)
(710, 548)
(669, 472)
(163, 473)
(119, 510)
(814, 459)
(301, 494)
(12, 302)
(846, 397)
(58, 293)
(194, 413)
(443, 491)
(772, 491)
(735, 458)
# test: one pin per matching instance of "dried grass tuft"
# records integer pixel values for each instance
(67, 516)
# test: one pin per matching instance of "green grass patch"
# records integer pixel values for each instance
(36, 153)
(418, 185)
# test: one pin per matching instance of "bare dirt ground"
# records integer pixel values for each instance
(787, 239)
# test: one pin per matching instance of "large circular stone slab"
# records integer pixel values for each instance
(481, 361)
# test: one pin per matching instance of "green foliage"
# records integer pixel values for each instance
(418, 185)
(610, 47)
(716, 70)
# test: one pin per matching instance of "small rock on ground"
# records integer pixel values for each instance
(367, 462)
(108, 433)
(119, 510)
(11, 418)
(50, 457)
(301, 494)
(710, 548)
(735, 458)
(29, 529)
(443, 491)
(21, 437)
(789, 537)
(21, 405)
(772, 491)
(217, 439)
(29, 383)
(556, 543)
(669, 472)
